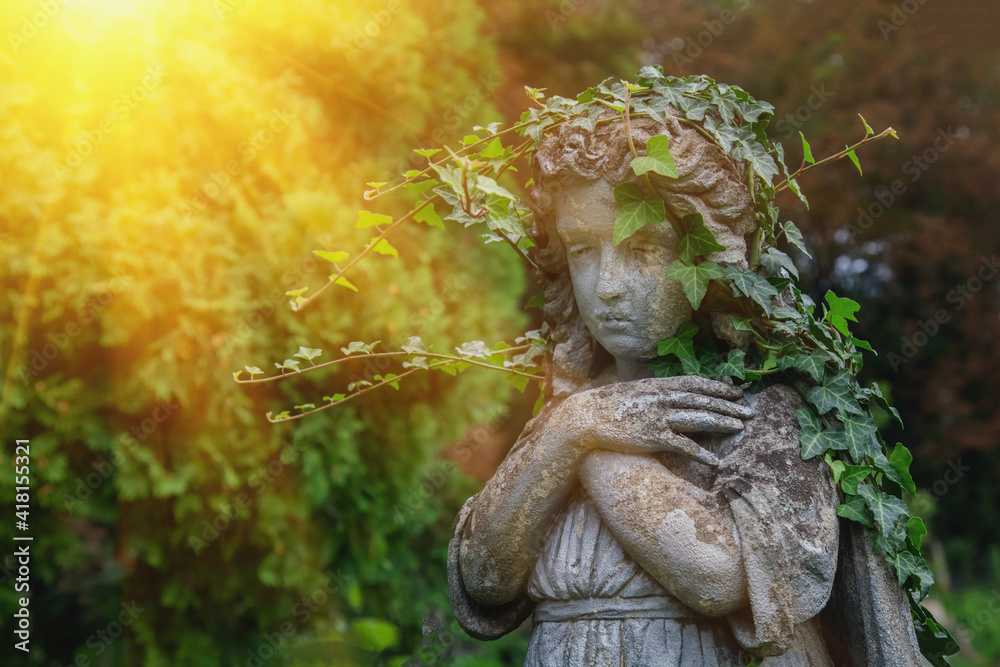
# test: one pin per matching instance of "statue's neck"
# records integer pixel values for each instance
(632, 369)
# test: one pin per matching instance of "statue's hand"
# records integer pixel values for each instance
(651, 415)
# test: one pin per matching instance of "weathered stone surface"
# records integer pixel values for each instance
(658, 521)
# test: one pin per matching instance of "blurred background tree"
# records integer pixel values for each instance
(167, 171)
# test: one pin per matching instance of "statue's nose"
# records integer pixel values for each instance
(612, 278)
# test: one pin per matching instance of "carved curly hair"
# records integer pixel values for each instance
(708, 182)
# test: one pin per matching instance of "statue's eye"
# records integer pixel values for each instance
(644, 250)
(580, 249)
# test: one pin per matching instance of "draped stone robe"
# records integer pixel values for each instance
(594, 605)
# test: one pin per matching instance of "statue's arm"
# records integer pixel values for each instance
(682, 535)
(509, 518)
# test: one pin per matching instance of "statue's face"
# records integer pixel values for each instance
(621, 292)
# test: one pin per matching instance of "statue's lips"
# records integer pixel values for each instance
(614, 322)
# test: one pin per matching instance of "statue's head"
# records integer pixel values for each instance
(605, 302)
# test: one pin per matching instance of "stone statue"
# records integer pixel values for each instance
(658, 521)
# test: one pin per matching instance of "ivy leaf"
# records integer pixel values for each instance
(696, 239)
(858, 430)
(854, 159)
(794, 237)
(807, 153)
(287, 364)
(427, 152)
(915, 530)
(344, 282)
(682, 344)
(383, 247)
(253, 370)
(657, 158)
(308, 353)
(474, 348)
(332, 257)
(892, 540)
(900, 459)
(774, 260)
(841, 310)
(742, 323)
(875, 391)
(369, 219)
(414, 346)
(852, 476)
(416, 362)
(429, 216)
(812, 437)
(837, 467)
(733, 366)
(334, 399)
(906, 564)
(357, 346)
(885, 509)
(836, 393)
(856, 510)
(868, 129)
(306, 406)
(814, 364)
(495, 149)
(749, 284)
(635, 212)
(694, 279)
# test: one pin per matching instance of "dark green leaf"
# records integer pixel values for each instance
(836, 393)
(852, 476)
(900, 459)
(794, 237)
(885, 509)
(915, 530)
(856, 510)
(858, 430)
(696, 239)
(813, 438)
(634, 211)
(774, 260)
(733, 366)
(748, 283)
(694, 279)
(682, 344)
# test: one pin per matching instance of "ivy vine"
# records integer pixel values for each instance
(790, 338)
